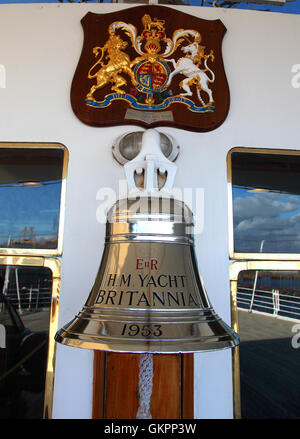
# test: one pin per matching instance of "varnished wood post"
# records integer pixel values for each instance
(115, 393)
(99, 385)
(187, 380)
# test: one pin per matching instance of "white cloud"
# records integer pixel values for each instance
(264, 205)
(272, 217)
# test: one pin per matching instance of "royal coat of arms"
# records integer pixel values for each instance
(150, 66)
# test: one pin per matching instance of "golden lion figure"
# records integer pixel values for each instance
(118, 62)
(149, 23)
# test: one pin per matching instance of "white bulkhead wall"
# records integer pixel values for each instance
(40, 46)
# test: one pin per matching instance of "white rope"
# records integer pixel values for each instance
(145, 386)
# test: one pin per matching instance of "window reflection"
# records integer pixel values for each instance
(266, 202)
(30, 193)
(271, 292)
(25, 300)
(268, 318)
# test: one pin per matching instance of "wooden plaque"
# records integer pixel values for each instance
(151, 66)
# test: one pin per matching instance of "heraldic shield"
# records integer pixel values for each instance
(151, 66)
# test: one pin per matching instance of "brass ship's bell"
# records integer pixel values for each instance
(148, 295)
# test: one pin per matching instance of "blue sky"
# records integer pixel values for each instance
(36, 207)
(290, 7)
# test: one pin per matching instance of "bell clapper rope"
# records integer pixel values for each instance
(145, 386)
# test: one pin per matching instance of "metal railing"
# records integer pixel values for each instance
(30, 298)
(275, 302)
(29, 290)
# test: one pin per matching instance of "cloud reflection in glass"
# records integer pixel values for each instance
(266, 204)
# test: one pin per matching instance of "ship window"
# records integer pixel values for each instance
(264, 194)
(267, 318)
(28, 297)
(32, 188)
(32, 196)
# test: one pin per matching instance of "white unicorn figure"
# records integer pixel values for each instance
(189, 67)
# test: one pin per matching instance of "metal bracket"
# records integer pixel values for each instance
(147, 157)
